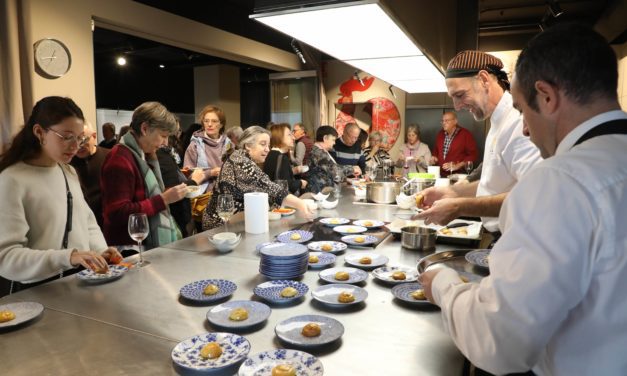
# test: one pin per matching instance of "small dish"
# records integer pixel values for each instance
(295, 236)
(257, 313)
(274, 216)
(322, 246)
(193, 191)
(194, 291)
(114, 272)
(360, 240)
(271, 291)
(376, 260)
(354, 275)
(384, 274)
(285, 211)
(479, 257)
(290, 330)
(334, 221)
(24, 312)
(369, 223)
(328, 294)
(320, 196)
(349, 229)
(187, 352)
(329, 204)
(225, 241)
(262, 364)
(403, 292)
(324, 259)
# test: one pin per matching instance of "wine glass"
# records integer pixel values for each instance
(469, 167)
(138, 229)
(226, 208)
(451, 167)
(371, 172)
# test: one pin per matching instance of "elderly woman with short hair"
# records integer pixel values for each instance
(132, 183)
(374, 153)
(414, 155)
(240, 174)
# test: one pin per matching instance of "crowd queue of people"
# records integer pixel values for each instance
(551, 303)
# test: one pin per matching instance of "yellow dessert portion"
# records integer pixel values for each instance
(326, 247)
(399, 276)
(283, 370)
(313, 259)
(350, 230)
(6, 316)
(289, 292)
(342, 276)
(238, 314)
(211, 289)
(346, 297)
(311, 330)
(295, 236)
(463, 278)
(418, 294)
(365, 260)
(367, 224)
(334, 221)
(211, 351)
(359, 239)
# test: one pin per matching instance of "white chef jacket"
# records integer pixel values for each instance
(556, 299)
(508, 154)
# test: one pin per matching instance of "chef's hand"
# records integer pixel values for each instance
(432, 194)
(442, 212)
(426, 279)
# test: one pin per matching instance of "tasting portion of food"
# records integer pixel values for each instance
(238, 314)
(211, 350)
(311, 330)
(346, 297)
(211, 289)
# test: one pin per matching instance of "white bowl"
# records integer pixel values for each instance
(405, 202)
(274, 216)
(320, 196)
(329, 204)
(360, 192)
(311, 203)
(225, 241)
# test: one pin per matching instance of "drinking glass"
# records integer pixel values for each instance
(226, 208)
(371, 172)
(469, 167)
(138, 229)
(451, 166)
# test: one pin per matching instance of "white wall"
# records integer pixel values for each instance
(121, 118)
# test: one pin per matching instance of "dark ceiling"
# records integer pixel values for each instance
(500, 25)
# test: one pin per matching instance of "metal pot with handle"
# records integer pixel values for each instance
(383, 192)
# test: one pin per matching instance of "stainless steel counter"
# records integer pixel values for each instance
(137, 320)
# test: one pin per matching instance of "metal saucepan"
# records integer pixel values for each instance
(418, 238)
(383, 192)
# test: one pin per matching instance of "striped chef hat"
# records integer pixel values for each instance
(468, 63)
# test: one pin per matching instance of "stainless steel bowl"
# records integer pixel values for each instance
(383, 192)
(418, 238)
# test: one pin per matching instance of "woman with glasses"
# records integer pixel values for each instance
(47, 226)
(414, 155)
(208, 145)
(374, 153)
(277, 165)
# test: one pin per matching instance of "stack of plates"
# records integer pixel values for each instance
(283, 261)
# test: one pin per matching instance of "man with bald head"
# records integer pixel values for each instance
(88, 163)
(454, 146)
(347, 150)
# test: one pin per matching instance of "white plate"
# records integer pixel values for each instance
(360, 240)
(350, 229)
(354, 275)
(261, 364)
(194, 290)
(193, 191)
(403, 292)
(24, 311)
(334, 221)
(384, 274)
(257, 313)
(187, 352)
(288, 212)
(328, 294)
(324, 259)
(290, 330)
(472, 231)
(377, 260)
(337, 246)
(271, 291)
(114, 272)
(369, 223)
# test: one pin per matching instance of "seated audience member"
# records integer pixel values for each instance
(347, 151)
(414, 154)
(208, 145)
(374, 153)
(132, 183)
(554, 302)
(234, 134)
(47, 227)
(88, 164)
(108, 136)
(240, 174)
(303, 145)
(186, 136)
(277, 165)
(454, 146)
(323, 169)
(123, 130)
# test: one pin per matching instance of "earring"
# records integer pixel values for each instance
(42, 141)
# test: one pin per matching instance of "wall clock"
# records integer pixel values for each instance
(52, 58)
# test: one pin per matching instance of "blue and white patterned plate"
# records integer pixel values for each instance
(187, 352)
(384, 274)
(337, 247)
(328, 294)
(479, 257)
(278, 251)
(369, 223)
(261, 364)
(356, 239)
(403, 292)
(193, 291)
(290, 330)
(257, 313)
(324, 259)
(332, 222)
(286, 237)
(271, 291)
(261, 245)
(24, 311)
(354, 275)
(350, 229)
(376, 259)
(114, 272)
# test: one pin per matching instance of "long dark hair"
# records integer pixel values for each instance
(47, 112)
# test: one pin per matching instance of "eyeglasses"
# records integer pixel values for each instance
(211, 121)
(69, 139)
(447, 121)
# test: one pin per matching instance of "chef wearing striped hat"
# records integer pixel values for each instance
(477, 83)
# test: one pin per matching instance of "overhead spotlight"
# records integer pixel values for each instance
(161, 66)
(392, 91)
(356, 74)
(297, 51)
(121, 60)
(556, 9)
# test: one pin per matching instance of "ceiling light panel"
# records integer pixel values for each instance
(395, 68)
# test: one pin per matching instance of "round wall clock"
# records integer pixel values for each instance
(52, 58)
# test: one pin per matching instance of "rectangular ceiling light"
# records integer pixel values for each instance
(362, 34)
